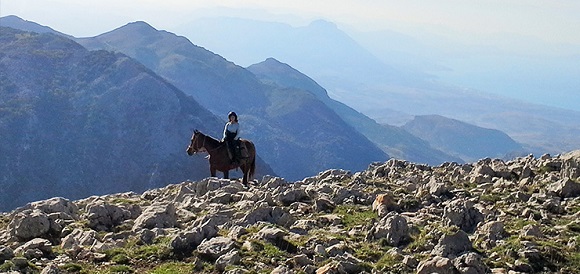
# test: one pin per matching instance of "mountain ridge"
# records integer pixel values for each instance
(223, 86)
(81, 122)
(467, 141)
(394, 141)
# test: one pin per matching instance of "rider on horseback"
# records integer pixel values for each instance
(231, 132)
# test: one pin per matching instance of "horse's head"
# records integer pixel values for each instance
(197, 143)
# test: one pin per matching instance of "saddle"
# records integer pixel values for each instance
(240, 150)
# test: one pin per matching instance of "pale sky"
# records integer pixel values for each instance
(550, 20)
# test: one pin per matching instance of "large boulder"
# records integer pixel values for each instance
(35, 248)
(292, 195)
(104, 216)
(571, 165)
(436, 187)
(384, 203)
(463, 214)
(157, 216)
(79, 237)
(393, 228)
(437, 264)
(231, 258)
(471, 263)
(565, 188)
(215, 247)
(29, 224)
(275, 215)
(489, 233)
(187, 241)
(55, 205)
(452, 245)
(6, 253)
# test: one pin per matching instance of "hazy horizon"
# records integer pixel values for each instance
(540, 39)
(549, 20)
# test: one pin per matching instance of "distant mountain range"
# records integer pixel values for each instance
(463, 140)
(392, 89)
(114, 113)
(395, 141)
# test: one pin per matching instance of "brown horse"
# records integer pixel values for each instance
(219, 158)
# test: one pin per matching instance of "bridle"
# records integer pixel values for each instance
(199, 149)
(202, 148)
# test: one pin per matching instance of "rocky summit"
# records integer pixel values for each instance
(491, 216)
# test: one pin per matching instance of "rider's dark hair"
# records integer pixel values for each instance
(233, 114)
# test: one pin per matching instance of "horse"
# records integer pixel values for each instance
(219, 157)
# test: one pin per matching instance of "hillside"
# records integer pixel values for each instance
(297, 134)
(463, 140)
(395, 141)
(491, 216)
(76, 123)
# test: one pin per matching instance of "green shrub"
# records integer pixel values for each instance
(121, 259)
(355, 215)
(7, 266)
(72, 267)
(120, 269)
(173, 268)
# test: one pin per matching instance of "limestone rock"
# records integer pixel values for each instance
(384, 203)
(231, 258)
(188, 240)
(35, 248)
(452, 245)
(438, 265)
(29, 224)
(471, 263)
(489, 233)
(6, 253)
(274, 215)
(79, 237)
(324, 205)
(393, 228)
(215, 247)
(292, 195)
(103, 216)
(565, 188)
(571, 165)
(463, 214)
(157, 215)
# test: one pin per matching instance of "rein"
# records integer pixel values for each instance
(209, 150)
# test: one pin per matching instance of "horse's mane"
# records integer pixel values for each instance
(210, 137)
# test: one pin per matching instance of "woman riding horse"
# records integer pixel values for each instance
(231, 132)
(219, 156)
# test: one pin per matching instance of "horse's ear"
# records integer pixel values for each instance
(196, 131)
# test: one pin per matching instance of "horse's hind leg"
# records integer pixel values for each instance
(212, 171)
(246, 172)
(226, 174)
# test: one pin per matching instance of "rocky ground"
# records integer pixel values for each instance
(492, 216)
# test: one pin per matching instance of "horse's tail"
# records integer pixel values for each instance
(252, 169)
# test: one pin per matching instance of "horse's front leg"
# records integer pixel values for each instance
(212, 171)
(245, 180)
(226, 174)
